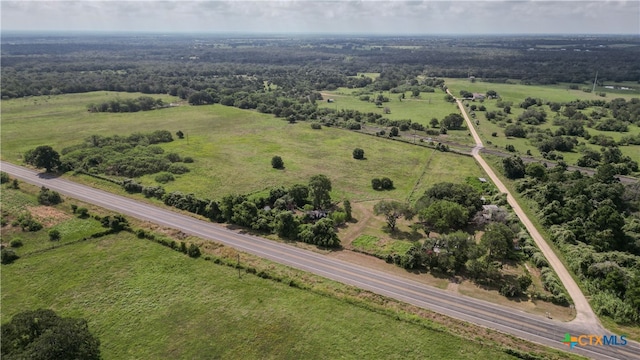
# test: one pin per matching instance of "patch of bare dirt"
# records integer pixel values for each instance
(47, 215)
(362, 213)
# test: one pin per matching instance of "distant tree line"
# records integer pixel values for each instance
(142, 103)
(173, 66)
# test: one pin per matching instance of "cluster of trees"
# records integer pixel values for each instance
(42, 334)
(301, 212)
(572, 120)
(608, 155)
(448, 209)
(142, 103)
(130, 156)
(383, 183)
(594, 221)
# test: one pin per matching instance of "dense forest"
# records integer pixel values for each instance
(181, 64)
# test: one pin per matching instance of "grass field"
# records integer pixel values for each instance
(555, 93)
(420, 110)
(232, 148)
(146, 301)
(517, 92)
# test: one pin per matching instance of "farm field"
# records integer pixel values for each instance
(232, 148)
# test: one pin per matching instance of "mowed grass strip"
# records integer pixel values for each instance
(232, 148)
(145, 301)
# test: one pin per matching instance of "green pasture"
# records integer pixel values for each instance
(232, 148)
(145, 301)
(516, 94)
(373, 76)
(420, 110)
(554, 93)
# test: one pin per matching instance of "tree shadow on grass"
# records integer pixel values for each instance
(403, 235)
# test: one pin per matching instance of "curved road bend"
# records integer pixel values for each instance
(584, 314)
(527, 326)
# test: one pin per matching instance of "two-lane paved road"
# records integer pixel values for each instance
(535, 328)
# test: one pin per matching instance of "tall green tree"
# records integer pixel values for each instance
(322, 233)
(286, 225)
(392, 211)
(299, 193)
(43, 157)
(444, 216)
(498, 241)
(514, 167)
(319, 188)
(453, 121)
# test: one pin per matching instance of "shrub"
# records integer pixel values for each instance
(4, 177)
(54, 235)
(178, 169)
(193, 251)
(187, 160)
(339, 217)
(83, 212)
(394, 131)
(386, 183)
(8, 256)
(153, 191)
(376, 184)
(141, 234)
(276, 162)
(74, 208)
(48, 197)
(173, 157)
(510, 289)
(316, 126)
(27, 222)
(131, 186)
(164, 177)
(515, 131)
(16, 243)
(358, 154)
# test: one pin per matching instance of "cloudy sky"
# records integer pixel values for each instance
(317, 16)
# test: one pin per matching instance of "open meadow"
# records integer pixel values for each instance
(233, 148)
(419, 110)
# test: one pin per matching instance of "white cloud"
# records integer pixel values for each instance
(426, 17)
